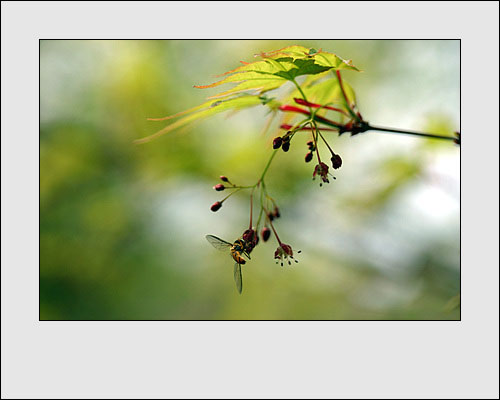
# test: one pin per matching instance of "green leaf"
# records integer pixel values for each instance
(260, 84)
(293, 52)
(333, 61)
(321, 58)
(259, 76)
(278, 67)
(254, 79)
(321, 91)
(300, 67)
(205, 110)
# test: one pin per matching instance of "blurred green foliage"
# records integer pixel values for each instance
(122, 226)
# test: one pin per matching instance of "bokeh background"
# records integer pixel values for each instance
(122, 226)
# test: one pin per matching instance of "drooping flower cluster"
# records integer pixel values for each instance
(280, 66)
(269, 212)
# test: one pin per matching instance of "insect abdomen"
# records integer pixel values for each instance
(237, 257)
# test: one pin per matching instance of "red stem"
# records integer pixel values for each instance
(289, 108)
(286, 107)
(288, 127)
(272, 227)
(314, 105)
(316, 144)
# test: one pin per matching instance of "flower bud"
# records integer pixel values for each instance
(336, 161)
(309, 157)
(219, 187)
(216, 206)
(224, 178)
(286, 146)
(277, 142)
(276, 212)
(265, 233)
(248, 235)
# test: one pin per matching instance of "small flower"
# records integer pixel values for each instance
(224, 178)
(219, 187)
(265, 233)
(283, 253)
(270, 216)
(321, 169)
(311, 146)
(216, 206)
(336, 161)
(309, 157)
(277, 142)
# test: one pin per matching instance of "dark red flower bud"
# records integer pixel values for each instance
(270, 216)
(277, 142)
(219, 187)
(265, 233)
(248, 235)
(457, 140)
(336, 161)
(286, 146)
(224, 178)
(276, 212)
(309, 157)
(251, 238)
(216, 206)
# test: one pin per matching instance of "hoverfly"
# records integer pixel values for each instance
(237, 249)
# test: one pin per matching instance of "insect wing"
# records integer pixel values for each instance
(237, 277)
(218, 243)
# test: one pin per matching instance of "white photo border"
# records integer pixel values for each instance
(457, 359)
